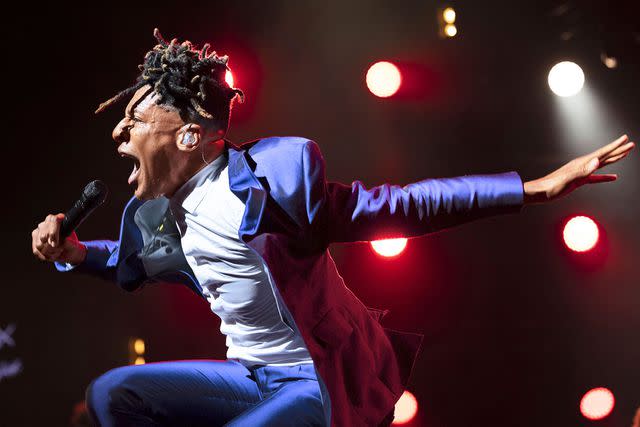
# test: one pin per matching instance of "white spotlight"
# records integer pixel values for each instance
(566, 78)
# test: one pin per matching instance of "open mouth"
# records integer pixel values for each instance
(136, 167)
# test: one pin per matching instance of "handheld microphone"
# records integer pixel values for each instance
(93, 195)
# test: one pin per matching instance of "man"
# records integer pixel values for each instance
(248, 228)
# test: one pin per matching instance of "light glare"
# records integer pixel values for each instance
(450, 30)
(597, 403)
(566, 78)
(406, 408)
(138, 346)
(449, 15)
(389, 247)
(228, 77)
(383, 79)
(580, 234)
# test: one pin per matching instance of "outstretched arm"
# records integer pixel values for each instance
(342, 213)
(577, 173)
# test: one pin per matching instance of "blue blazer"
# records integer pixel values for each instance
(292, 214)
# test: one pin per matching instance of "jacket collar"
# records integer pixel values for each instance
(246, 186)
(189, 196)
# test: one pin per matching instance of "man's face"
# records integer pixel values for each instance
(147, 134)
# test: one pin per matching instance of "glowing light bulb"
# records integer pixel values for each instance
(566, 79)
(389, 247)
(383, 79)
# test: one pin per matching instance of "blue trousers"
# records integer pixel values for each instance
(206, 393)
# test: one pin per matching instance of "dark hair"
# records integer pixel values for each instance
(191, 80)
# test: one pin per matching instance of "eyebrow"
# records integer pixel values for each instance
(131, 110)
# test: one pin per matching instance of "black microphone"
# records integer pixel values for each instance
(93, 195)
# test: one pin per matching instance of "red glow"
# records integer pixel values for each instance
(597, 403)
(580, 234)
(389, 247)
(406, 408)
(228, 77)
(383, 79)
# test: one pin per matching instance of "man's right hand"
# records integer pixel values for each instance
(46, 245)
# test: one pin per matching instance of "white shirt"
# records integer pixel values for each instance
(234, 279)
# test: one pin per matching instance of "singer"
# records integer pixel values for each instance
(248, 228)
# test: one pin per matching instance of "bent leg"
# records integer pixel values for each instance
(290, 398)
(194, 393)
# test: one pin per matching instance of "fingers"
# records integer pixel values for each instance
(604, 151)
(626, 148)
(45, 239)
(614, 159)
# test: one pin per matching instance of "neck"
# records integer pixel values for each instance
(198, 160)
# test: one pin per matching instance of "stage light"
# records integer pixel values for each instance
(566, 79)
(597, 403)
(610, 62)
(383, 79)
(138, 346)
(580, 234)
(449, 15)
(228, 77)
(406, 408)
(450, 30)
(389, 247)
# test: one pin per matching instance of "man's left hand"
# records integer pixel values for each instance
(577, 172)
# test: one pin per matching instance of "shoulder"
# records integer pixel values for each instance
(277, 145)
(284, 154)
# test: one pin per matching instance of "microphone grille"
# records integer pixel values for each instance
(95, 192)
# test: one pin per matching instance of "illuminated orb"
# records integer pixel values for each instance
(406, 408)
(389, 247)
(228, 77)
(580, 234)
(450, 30)
(449, 15)
(597, 403)
(139, 361)
(138, 346)
(566, 78)
(383, 79)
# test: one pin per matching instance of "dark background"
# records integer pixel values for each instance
(516, 328)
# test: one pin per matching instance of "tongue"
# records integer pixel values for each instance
(134, 174)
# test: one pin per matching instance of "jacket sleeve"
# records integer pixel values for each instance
(100, 261)
(343, 213)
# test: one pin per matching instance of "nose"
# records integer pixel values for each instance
(120, 133)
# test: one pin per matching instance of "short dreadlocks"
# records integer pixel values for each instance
(191, 80)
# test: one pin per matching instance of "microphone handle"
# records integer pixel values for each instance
(74, 217)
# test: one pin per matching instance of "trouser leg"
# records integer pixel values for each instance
(290, 397)
(193, 393)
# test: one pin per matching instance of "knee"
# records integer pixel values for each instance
(308, 394)
(114, 390)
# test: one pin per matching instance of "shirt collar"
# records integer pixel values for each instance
(189, 196)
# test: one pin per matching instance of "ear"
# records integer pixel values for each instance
(189, 137)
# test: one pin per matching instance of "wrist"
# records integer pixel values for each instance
(78, 255)
(534, 192)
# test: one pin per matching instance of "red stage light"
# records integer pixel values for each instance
(406, 408)
(597, 403)
(228, 77)
(580, 234)
(383, 79)
(389, 247)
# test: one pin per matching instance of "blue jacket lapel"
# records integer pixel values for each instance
(246, 186)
